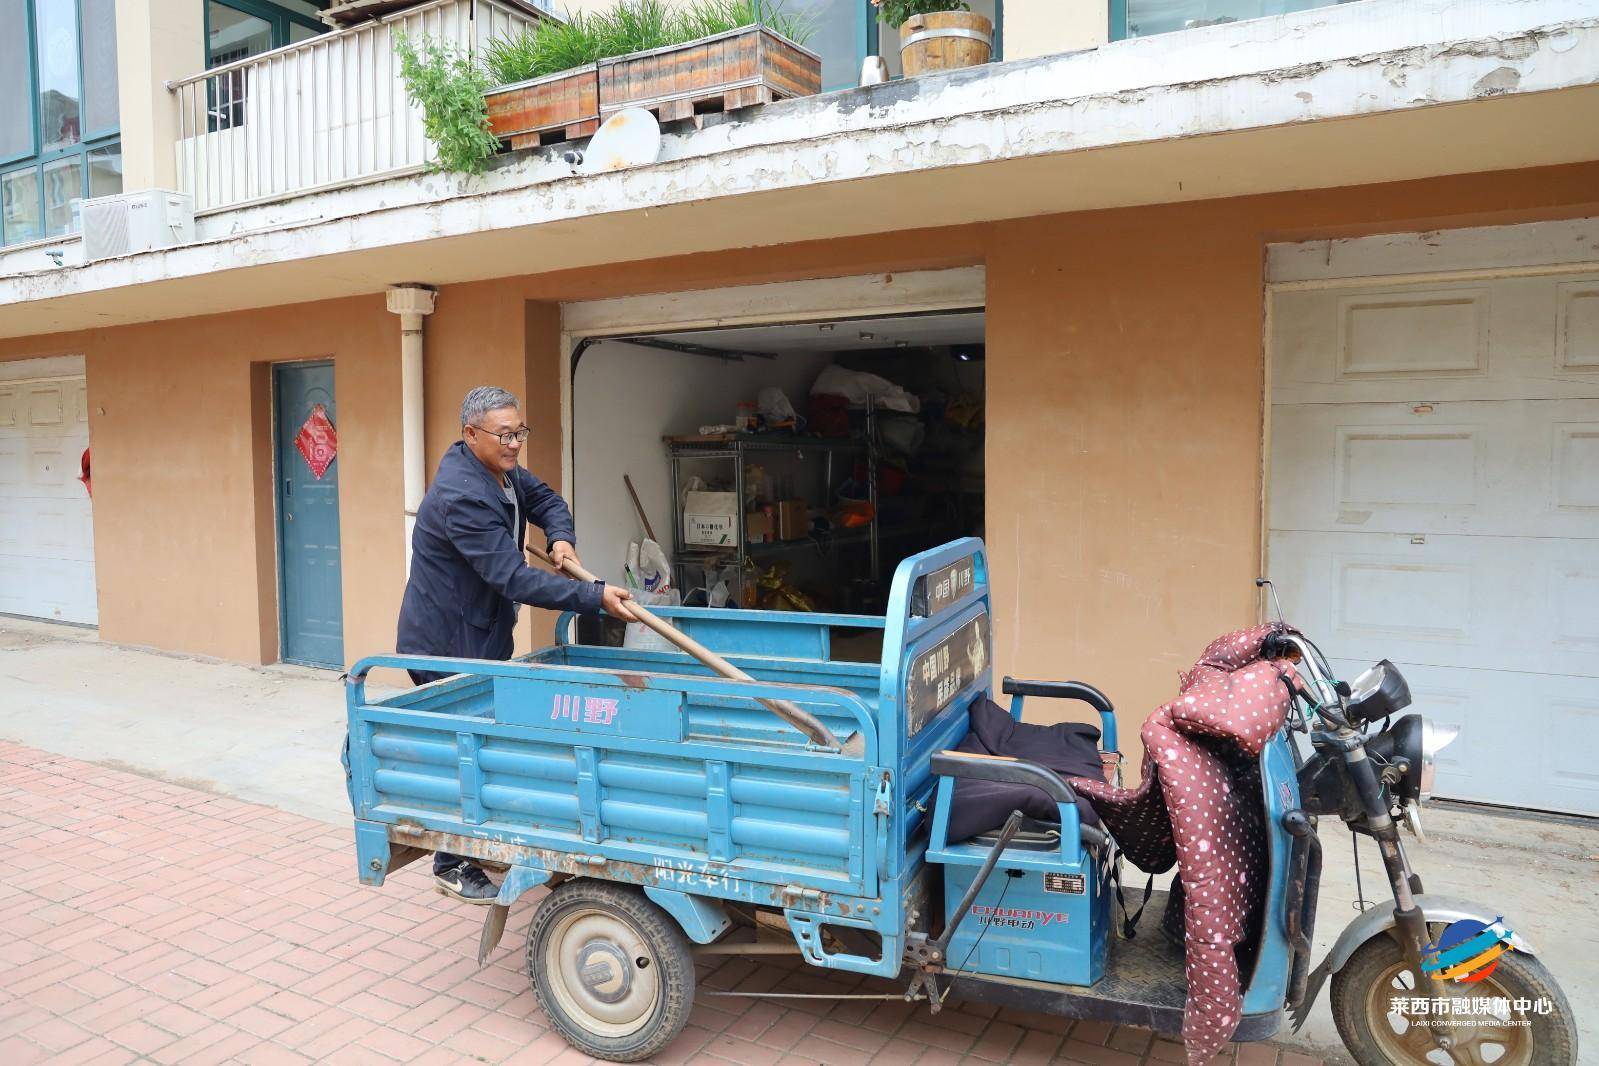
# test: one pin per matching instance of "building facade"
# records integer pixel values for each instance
(1311, 294)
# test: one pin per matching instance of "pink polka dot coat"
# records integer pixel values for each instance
(1199, 806)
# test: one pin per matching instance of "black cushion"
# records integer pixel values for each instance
(1071, 749)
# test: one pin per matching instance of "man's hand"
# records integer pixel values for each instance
(561, 551)
(611, 599)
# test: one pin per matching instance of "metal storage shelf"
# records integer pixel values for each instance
(734, 448)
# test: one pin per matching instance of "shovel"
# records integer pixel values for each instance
(791, 713)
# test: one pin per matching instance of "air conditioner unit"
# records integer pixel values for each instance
(136, 222)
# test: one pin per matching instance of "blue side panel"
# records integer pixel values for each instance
(1042, 925)
(1268, 986)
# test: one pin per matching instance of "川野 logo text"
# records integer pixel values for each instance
(589, 710)
(1467, 950)
(1017, 917)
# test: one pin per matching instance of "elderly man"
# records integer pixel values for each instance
(468, 571)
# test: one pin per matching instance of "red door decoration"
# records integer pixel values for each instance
(83, 465)
(317, 441)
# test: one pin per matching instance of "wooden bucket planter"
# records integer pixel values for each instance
(548, 110)
(740, 68)
(944, 40)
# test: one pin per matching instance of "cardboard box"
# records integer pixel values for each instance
(792, 519)
(757, 527)
(710, 518)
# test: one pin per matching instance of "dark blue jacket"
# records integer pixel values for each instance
(468, 572)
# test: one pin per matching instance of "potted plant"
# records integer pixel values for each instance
(714, 55)
(937, 34)
(548, 81)
(559, 79)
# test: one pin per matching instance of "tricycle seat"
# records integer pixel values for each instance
(1035, 835)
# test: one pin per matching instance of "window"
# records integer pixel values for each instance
(59, 120)
(1143, 18)
(238, 29)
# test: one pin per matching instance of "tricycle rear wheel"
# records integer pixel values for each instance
(1363, 992)
(611, 969)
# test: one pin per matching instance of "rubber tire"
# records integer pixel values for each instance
(674, 962)
(1554, 1036)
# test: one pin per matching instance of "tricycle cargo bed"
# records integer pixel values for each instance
(611, 761)
(656, 767)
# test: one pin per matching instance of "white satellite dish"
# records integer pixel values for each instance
(630, 138)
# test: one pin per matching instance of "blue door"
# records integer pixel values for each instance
(310, 602)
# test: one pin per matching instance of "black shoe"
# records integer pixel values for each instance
(467, 883)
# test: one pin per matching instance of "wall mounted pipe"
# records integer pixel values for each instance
(412, 303)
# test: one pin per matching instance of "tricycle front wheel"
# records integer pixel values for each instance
(611, 969)
(1377, 979)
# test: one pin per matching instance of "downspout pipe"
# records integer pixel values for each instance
(412, 303)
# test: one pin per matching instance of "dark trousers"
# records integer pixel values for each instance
(442, 860)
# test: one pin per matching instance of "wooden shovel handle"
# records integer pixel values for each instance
(791, 713)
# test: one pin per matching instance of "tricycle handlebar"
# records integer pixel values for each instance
(1060, 690)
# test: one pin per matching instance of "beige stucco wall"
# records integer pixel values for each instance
(1124, 422)
(157, 41)
(1046, 27)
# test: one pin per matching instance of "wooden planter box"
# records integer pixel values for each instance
(547, 110)
(741, 68)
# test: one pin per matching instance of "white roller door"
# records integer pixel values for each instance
(1434, 488)
(46, 531)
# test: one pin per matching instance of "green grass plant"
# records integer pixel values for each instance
(631, 26)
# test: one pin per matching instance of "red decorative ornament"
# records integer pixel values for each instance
(318, 441)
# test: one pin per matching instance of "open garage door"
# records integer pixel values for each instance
(46, 532)
(1434, 490)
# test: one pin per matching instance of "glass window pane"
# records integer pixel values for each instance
(234, 35)
(63, 185)
(834, 24)
(16, 110)
(19, 205)
(56, 23)
(100, 110)
(105, 171)
(1145, 17)
(298, 33)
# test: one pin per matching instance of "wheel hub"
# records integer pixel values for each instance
(602, 973)
(605, 973)
(1500, 1039)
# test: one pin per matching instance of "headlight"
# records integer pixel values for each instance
(1434, 738)
(1402, 746)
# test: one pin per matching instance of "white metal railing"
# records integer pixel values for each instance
(324, 112)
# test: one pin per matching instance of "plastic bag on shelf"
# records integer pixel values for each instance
(641, 637)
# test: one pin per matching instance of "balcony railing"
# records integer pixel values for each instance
(322, 113)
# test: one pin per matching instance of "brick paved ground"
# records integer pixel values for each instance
(145, 922)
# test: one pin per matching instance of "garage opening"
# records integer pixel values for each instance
(779, 467)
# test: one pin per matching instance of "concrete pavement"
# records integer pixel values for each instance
(270, 735)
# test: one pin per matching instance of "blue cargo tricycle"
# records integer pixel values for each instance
(671, 813)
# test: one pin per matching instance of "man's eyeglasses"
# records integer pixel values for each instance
(515, 436)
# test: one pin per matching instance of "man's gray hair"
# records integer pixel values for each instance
(483, 399)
